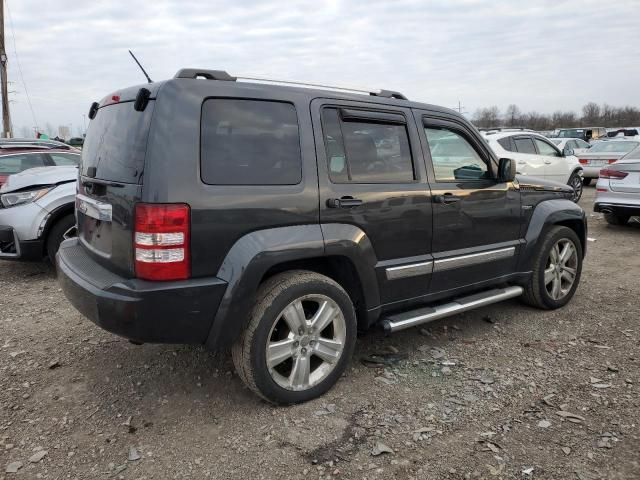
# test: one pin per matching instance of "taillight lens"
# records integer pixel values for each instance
(161, 241)
(583, 161)
(608, 173)
(612, 160)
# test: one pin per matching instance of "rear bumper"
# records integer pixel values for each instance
(12, 248)
(591, 172)
(616, 208)
(142, 311)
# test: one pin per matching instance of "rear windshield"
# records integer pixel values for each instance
(572, 133)
(116, 142)
(613, 147)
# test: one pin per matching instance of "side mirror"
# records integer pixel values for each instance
(506, 170)
(567, 152)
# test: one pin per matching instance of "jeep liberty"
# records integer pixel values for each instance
(279, 220)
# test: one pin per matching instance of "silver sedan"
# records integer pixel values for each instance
(618, 189)
(602, 154)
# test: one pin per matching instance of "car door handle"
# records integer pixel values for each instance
(547, 162)
(522, 162)
(446, 198)
(344, 202)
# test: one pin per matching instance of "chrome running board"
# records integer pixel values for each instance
(400, 321)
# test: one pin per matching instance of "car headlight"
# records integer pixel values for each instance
(14, 199)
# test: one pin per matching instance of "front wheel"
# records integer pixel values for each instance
(575, 182)
(63, 229)
(299, 340)
(556, 269)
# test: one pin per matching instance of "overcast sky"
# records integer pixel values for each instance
(540, 55)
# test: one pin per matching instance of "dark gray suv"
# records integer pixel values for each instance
(279, 220)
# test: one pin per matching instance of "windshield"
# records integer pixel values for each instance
(613, 147)
(572, 133)
(634, 155)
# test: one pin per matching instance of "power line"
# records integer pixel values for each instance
(15, 52)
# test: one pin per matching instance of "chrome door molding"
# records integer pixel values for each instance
(473, 259)
(411, 270)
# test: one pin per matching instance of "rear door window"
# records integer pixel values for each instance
(361, 151)
(250, 142)
(525, 145)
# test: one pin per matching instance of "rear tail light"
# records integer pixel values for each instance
(612, 160)
(608, 173)
(161, 241)
(583, 161)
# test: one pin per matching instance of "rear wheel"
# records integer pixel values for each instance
(299, 340)
(61, 230)
(616, 219)
(556, 270)
(586, 181)
(575, 182)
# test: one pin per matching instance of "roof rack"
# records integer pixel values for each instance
(491, 131)
(221, 75)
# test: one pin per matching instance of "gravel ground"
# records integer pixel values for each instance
(501, 392)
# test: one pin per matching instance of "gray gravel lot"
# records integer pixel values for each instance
(502, 392)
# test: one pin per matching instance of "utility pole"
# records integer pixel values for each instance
(6, 119)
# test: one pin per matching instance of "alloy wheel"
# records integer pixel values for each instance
(561, 269)
(306, 342)
(576, 184)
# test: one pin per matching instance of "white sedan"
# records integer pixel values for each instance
(576, 144)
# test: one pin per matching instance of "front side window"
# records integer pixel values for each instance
(366, 152)
(249, 142)
(65, 159)
(506, 144)
(11, 164)
(453, 157)
(545, 149)
(525, 145)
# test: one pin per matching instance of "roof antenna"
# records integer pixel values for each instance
(136, 60)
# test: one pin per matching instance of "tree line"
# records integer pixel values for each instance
(593, 115)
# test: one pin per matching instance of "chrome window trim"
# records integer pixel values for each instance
(411, 270)
(473, 259)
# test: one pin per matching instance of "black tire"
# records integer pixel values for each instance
(586, 181)
(56, 236)
(249, 352)
(535, 291)
(616, 219)
(575, 182)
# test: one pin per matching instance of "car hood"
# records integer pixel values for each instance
(39, 176)
(527, 182)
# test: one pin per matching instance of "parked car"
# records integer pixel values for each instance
(36, 143)
(280, 219)
(76, 141)
(587, 134)
(536, 155)
(36, 212)
(15, 158)
(577, 145)
(618, 189)
(631, 133)
(603, 153)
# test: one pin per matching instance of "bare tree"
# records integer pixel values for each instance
(512, 116)
(487, 117)
(590, 113)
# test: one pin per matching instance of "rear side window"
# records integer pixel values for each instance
(366, 152)
(11, 164)
(525, 145)
(545, 149)
(250, 142)
(506, 144)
